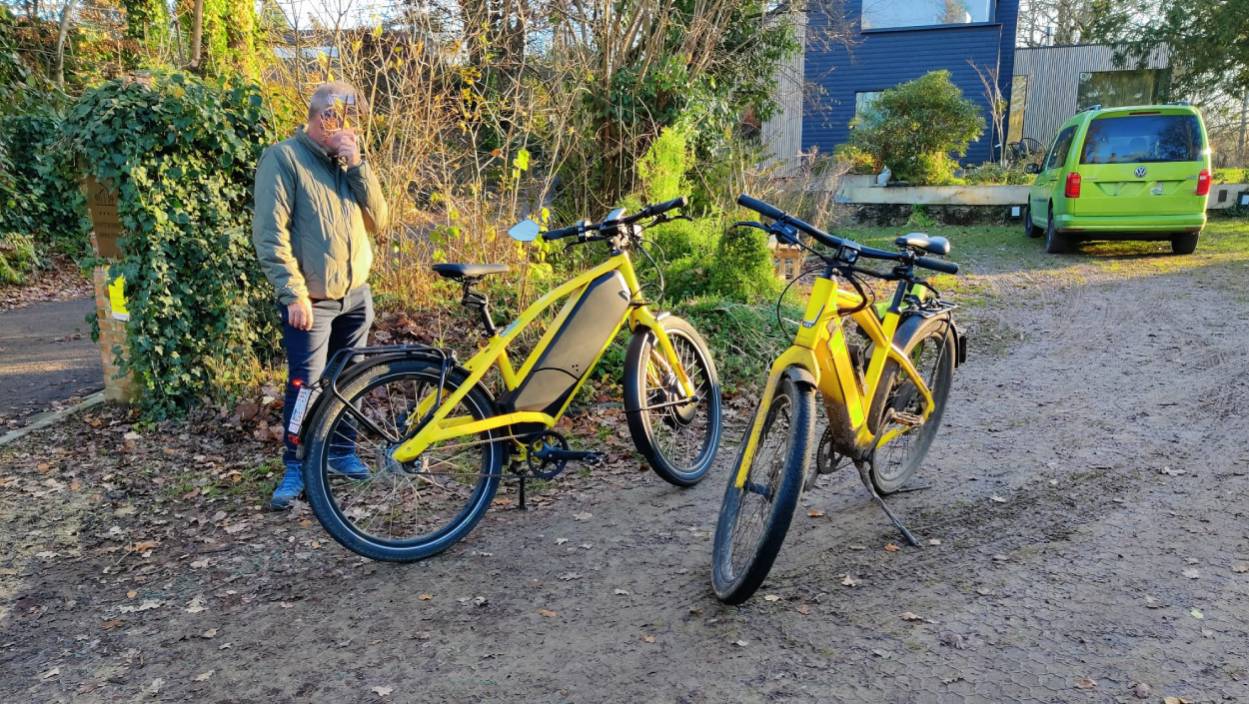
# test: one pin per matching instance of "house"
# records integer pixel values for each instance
(1052, 83)
(888, 42)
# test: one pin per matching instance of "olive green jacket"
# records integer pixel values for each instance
(312, 220)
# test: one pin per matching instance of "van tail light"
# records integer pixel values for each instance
(1203, 182)
(1073, 185)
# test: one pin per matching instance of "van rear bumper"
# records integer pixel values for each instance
(1132, 227)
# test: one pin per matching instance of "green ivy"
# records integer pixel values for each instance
(39, 184)
(181, 154)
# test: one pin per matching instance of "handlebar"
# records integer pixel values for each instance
(585, 226)
(563, 232)
(937, 265)
(837, 243)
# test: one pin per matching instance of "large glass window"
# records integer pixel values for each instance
(864, 100)
(1112, 89)
(1058, 152)
(1134, 139)
(882, 14)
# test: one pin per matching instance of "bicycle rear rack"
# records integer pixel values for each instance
(355, 355)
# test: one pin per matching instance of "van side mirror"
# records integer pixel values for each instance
(1032, 169)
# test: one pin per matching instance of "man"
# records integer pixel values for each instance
(316, 201)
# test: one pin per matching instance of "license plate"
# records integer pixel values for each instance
(297, 413)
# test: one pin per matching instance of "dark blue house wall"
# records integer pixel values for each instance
(880, 59)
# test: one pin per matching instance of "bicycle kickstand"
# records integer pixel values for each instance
(880, 501)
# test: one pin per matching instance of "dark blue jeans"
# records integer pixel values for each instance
(336, 325)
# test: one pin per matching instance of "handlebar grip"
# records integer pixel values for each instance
(551, 235)
(661, 208)
(937, 265)
(764, 209)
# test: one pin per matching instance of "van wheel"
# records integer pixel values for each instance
(1055, 241)
(1184, 244)
(1029, 229)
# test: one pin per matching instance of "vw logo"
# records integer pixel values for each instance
(1140, 172)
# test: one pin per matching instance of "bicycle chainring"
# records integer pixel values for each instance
(546, 468)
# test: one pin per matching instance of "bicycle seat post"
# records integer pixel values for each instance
(473, 299)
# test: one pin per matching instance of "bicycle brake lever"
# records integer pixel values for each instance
(749, 223)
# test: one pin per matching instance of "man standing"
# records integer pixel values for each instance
(316, 201)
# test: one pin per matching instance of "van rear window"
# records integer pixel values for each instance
(1134, 139)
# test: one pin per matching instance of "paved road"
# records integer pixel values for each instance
(46, 356)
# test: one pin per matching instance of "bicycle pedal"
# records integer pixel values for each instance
(911, 420)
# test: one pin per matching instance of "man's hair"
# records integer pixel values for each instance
(324, 96)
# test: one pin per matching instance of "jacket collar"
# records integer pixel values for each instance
(302, 137)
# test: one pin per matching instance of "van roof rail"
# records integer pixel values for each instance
(1180, 102)
(1096, 106)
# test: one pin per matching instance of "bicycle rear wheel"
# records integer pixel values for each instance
(932, 350)
(378, 507)
(755, 518)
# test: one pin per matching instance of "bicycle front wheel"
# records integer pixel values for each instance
(755, 517)
(378, 507)
(678, 438)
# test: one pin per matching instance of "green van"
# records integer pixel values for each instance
(1136, 173)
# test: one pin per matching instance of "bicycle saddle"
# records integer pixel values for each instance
(919, 240)
(468, 271)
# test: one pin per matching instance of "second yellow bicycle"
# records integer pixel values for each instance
(883, 372)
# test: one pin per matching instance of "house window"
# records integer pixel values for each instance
(883, 14)
(1112, 89)
(864, 100)
(1018, 104)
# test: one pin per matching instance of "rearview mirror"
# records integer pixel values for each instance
(1032, 169)
(524, 231)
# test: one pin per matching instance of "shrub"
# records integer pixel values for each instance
(856, 159)
(39, 188)
(993, 173)
(181, 153)
(17, 258)
(914, 127)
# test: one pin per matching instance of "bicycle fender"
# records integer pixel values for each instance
(800, 376)
(911, 323)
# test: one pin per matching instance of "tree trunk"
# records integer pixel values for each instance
(197, 35)
(61, 34)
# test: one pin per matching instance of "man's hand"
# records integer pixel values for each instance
(299, 314)
(343, 144)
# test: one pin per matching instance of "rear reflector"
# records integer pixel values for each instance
(1203, 182)
(1073, 185)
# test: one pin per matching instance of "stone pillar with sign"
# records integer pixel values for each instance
(110, 289)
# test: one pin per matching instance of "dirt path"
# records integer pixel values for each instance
(46, 357)
(1085, 518)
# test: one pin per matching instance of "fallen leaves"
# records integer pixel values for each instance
(1196, 613)
(891, 547)
(804, 609)
(848, 581)
(740, 643)
(49, 674)
(196, 605)
(1086, 683)
(203, 676)
(146, 605)
(771, 597)
(648, 639)
(583, 516)
(1240, 567)
(424, 597)
(620, 592)
(547, 613)
(1191, 573)
(997, 499)
(382, 691)
(815, 513)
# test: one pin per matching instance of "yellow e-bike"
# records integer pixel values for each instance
(435, 436)
(884, 373)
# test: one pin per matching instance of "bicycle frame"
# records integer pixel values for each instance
(820, 352)
(442, 426)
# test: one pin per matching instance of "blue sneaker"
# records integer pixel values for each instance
(291, 487)
(349, 466)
